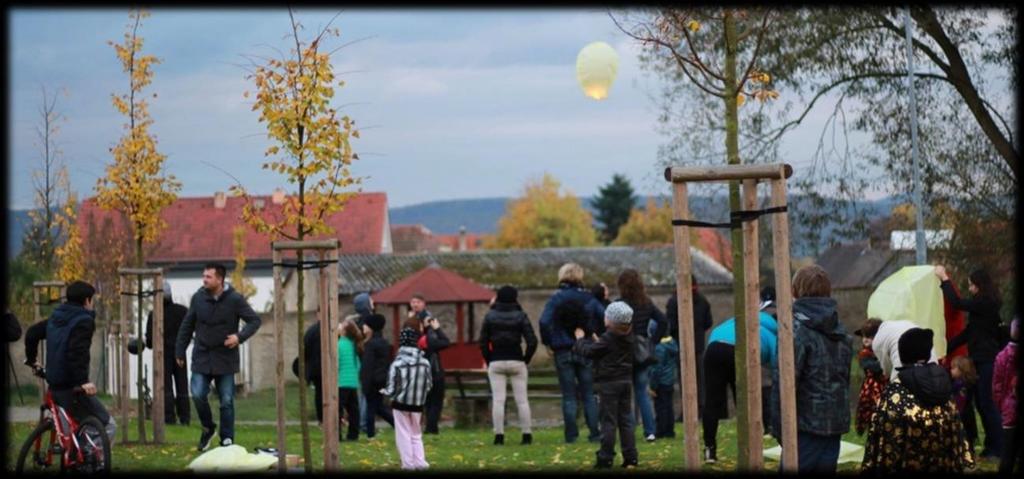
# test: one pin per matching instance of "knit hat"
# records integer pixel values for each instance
(619, 312)
(915, 345)
(408, 337)
(375, 322)
(507, 294)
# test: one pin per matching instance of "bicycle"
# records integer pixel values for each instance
(81, 446)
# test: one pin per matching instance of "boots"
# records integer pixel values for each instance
(527, 439)
(603, 464)
(499, 439)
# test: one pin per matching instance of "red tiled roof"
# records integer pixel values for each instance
(716, 245)
(437, 285)
(412, 239)
(197, 231)
(473, 241)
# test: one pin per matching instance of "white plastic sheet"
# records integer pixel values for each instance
(848, 452)
(233, 458)
(912, 294)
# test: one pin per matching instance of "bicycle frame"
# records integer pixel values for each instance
(64, 429)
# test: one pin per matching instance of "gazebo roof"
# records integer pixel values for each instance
(437, 285)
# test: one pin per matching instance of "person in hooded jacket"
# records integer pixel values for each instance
(432, 342)
(505, 328)
(664, 376)
(176, 401)
(613, 355)
(374, 374)
(916, 426)
(363, 304)
(408, 385)
(822, 357)
(575, 376)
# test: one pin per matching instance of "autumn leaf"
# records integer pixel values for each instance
(694, 25)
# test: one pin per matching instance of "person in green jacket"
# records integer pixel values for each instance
(350, 348)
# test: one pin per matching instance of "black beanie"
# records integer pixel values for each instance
(507, 294)
(375, 322)
(915, 345)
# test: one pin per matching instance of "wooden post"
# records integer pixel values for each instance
(279, 315)
(755, 428)
(784, 303)
(687, 356)
(158, 360)
(122, 348)
(328, 371)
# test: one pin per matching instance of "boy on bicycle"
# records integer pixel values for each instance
(68, 337)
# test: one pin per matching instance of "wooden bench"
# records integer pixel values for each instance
(473, 400)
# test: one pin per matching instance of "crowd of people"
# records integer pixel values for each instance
(612, 357)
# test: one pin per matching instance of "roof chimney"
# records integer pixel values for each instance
(219, 200)
(278, 197)
(462, 238)
(259, 203)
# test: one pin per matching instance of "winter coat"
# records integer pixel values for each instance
(886, 345)
(435, 340)
(348, 364)
(916, 426)
(312, 351)
(560, 338)
(725, 332)
(702, 320)
(174, 313)
(1004, 384)
(666, 371)
(822, 357)
(13, 327)
(982, 332)
(612, 354)
(505, 327)
(212, 320)
(68, 338)
(34, 334)
(409, 380)
(373, 375)
(870, 390)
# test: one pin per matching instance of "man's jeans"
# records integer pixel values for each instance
(226, 392)
(576, 377)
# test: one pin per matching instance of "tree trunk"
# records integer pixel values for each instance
(138, 314)
(739, 301)
(307, 452)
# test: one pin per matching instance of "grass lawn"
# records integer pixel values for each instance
(455, 450)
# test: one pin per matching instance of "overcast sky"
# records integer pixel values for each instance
(452, 103)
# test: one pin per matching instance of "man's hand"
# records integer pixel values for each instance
(89, 389)
(434, 323)
(940, 271)
(654, 394)
(181, 362)
(232, 341)
(579, 333)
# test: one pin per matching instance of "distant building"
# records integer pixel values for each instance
(418, 239)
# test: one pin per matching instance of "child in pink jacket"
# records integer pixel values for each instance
(1004, 393)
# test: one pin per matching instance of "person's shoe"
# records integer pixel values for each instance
(630, 464)
(499, 439)
(227, 441)
(709, 455)
(603, 464)
(205, 437)
(649, 438)
(527, 439)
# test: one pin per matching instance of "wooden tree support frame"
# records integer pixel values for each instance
(776, 174)
(121, 342)
(328, 317)
(37, 316)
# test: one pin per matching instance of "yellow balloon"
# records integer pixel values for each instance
(596, 67)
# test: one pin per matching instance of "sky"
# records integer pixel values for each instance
(451, 103)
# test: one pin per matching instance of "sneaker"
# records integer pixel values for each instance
(709, 455)
(603, 464)
(527, 439)
(630, 464)
(205, 437)
(649, 438)
(499, 439)
(226, 442)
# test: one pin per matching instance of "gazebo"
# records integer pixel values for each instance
(440, 286)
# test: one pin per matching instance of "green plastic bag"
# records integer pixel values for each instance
(912, 294)
(848, 452)
(231, 458)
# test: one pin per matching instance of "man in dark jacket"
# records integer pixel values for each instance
(575, 377)
(702, 321)
(822, 357)
(373, 374)
(213, 316)
(69, 332)
(175, 376)
(613, 355)
(433, 341)
(311, 340)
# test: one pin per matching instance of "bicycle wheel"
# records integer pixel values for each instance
(36, 453)
(95, 446)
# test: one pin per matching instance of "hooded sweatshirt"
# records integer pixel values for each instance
(68, 337)
(408, 380)
(822, 357)
(930, 383)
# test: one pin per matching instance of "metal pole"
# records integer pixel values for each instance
(920, 248)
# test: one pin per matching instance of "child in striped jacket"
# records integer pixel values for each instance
(409, 382)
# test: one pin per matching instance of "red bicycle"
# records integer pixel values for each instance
(61, 442)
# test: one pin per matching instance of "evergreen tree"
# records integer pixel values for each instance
(614, 202)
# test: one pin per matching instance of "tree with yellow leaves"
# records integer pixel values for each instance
(649, 226)
(239, 281)
(135, 183)
(70, 257)
(312, 149)
(544, 217)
